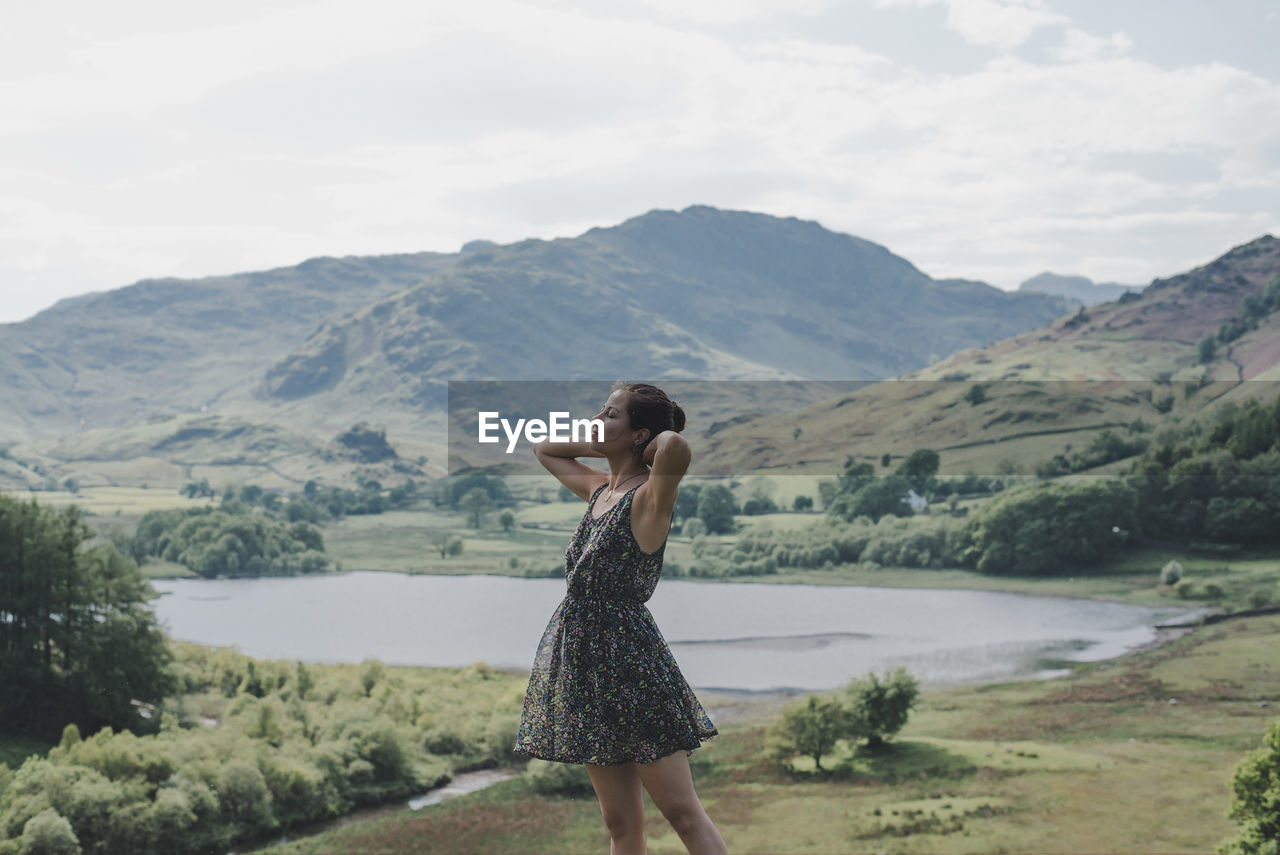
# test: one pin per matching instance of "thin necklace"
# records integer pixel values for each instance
(620, 483)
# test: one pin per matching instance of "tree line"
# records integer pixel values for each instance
(225, 542)
(315, 504)
(78, 641)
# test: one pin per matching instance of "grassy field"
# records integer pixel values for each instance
(109, 510)
(1128, 756)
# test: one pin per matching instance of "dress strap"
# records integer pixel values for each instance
(591, 503)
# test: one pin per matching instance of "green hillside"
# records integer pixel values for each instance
(1133, 362)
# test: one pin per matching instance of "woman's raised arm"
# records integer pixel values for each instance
(558, 458)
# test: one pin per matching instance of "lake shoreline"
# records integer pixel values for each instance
(846, 576)
(739, 637)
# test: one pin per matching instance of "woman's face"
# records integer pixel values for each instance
(617, 425)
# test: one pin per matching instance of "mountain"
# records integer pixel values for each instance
(1130, 363)
(276, 364)
(700, 293)
(162, 346)
(1079, 288)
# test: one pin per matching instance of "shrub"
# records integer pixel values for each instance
(1041, 527)
(551, 778)
(49, 833)
(1259, 598)
(1256, 799)
(693, 527)
(811, 727)
(879, 706)
(1170, 573)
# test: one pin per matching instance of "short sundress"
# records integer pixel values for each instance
(605, 688)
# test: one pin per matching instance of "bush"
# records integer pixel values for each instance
(875, 499)
(1170, 573)
(551, 778)
(1207, 348)
(1256, 799)
(48, 833)
(716, 508)
(1259, 599)
(1186, 589)
(1045, 527)
(811, 727)
(879, 706)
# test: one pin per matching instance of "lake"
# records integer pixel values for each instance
(728, 636)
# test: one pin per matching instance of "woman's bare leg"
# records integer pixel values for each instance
(622, 803)
(670, 785)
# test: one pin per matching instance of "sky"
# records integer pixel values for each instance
(985, 139)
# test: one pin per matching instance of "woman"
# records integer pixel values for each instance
(605, 690)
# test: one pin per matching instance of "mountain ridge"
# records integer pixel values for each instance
(311, 349)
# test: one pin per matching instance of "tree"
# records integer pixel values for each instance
(78, 640)
(49, 833)
(447, 543)
(1255, 799)
(506, 519)
(371, 673)
(976, 395)
(716, 509)
(881, 497)
(802, 503)
(1271, 296)
(687, 501)
(811, 728)
(919, 469)
(475, 503)
(1207, 348)
(244, 797)
(855, 477)
(879, 706)
(1045, 527)
(451, 490)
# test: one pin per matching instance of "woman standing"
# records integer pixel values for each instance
(605, 690)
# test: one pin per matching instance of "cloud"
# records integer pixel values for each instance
(1080, 46)
(695, 11)
(1003, 24)
(288, 131)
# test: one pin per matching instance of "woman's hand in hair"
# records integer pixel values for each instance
(660, 441)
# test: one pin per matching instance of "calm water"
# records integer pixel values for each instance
(730, 636)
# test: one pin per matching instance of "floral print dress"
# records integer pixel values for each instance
(605, 688)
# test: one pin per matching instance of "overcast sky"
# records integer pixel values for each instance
(986, 139)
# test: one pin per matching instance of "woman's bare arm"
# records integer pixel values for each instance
(558, 458)
(655, 502)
